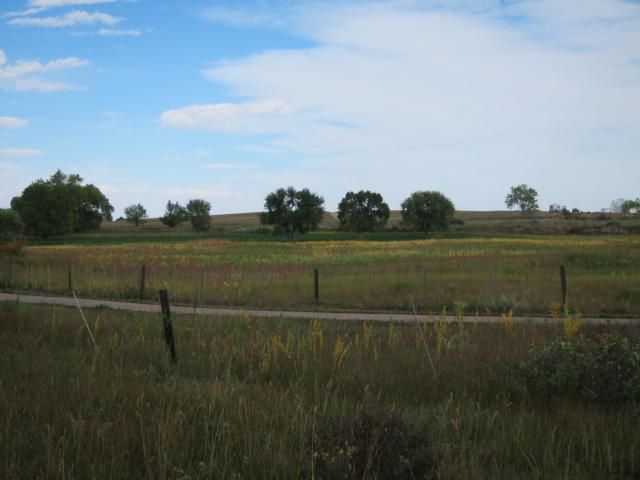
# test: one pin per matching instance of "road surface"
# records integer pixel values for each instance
(218, 311)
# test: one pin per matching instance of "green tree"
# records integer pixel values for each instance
(363, 211)
(61, 205)
(427, 211)
(291, 211)
(10, 223)
(198, 213)
(174, 214)
(135, 214)
(524, 197)
(628, 205)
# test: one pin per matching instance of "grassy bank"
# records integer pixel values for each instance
(294, 399)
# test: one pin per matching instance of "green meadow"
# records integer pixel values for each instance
(312, 399)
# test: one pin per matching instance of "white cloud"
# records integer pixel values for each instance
(108, 32)
(3, 58)
(77, 17)
(229, 166)
(407, 95)
(27, 75)
(19, 152)
(38, 6)
(228, 117)
(244, 16)
(12, 122)
(23, 13)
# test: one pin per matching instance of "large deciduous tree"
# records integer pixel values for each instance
(198, 213)
(61, 205)
(291, 211)
(362, 211)
(524, 197)
(427, 211)
(174, 214)
(135, 214)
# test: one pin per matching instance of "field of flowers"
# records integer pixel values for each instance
(487, 275)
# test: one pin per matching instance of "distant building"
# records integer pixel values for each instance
(606, 210)
(555, 208)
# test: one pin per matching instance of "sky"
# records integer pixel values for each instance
(157, 100)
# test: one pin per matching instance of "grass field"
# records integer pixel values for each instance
(318, 399)
(488, 275)
(298, 399)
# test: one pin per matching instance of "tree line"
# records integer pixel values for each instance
(62, 204)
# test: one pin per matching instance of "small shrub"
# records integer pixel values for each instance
(369, 445)
(602, 369)
(13, 249)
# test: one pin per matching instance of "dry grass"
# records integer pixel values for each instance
(247, 396)
(497, 275)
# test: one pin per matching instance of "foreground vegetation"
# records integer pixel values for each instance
(297, 399)
(487, 275)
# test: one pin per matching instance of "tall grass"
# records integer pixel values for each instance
(270, 399)
(496, 275)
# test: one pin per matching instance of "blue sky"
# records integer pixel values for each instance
(172, 100)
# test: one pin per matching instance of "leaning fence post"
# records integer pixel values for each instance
(166, 322)
(143, 271)
(316, 286)
(563, 286)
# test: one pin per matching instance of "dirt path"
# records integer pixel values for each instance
(220, 312)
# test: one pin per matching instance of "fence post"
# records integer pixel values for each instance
(491, 286)
(143, 271)
(563, 286)
(70, 283)
(316, 286)
(424, 288)
(201, 284)
(166, 322)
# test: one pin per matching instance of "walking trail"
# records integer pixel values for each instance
(227, 312)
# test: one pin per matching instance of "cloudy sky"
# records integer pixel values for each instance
(156, 100)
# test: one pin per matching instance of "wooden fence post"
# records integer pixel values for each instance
(563, 286)
(424, 288)
(143, 271)
(70, 283)
(316, 286)
(166, 322)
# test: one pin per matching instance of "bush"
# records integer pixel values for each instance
(601, 369)
(369, 446)
(14, 248)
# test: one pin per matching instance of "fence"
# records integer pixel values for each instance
(529, 286)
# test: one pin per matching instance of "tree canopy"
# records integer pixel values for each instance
(198, 213)
(135, 213)
(363, 211)
(61, 205)
(291, 211)
(174, 214)
(524, 197)
(427, 211)
(10, 223)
